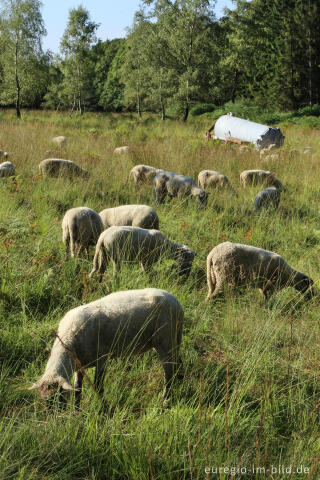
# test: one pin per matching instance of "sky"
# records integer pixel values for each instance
(113, 15)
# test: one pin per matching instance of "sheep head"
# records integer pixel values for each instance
(184, 256)
(48, 385)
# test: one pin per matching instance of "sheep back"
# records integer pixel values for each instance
(81, 226)
(141, 216)
(55, 167)
(236, 264)
(269, 197)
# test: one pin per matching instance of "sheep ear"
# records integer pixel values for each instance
(65, 385)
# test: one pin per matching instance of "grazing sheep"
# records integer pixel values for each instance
(210, 178)
(60, 141)
(7, 169)
(81, 228)
(143, 173)
(121, 324)
(270, 197)
(274, 157)
(4, 154)
(175, 185)
(235, 264)
(255, 177)
(308, 150)
(121, 150)
(294, 153)
(136, 215)
(243, 148)
(135, 244)
(57, 167)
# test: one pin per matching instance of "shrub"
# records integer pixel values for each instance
(202, 108)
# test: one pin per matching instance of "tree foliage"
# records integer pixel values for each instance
(176, 55)
(24, 66)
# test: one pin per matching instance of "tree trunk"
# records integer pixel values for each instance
(139, 106)
(79, 93)
(186, 112)
(18, 87)
(310, 57)
(234, 86)
(163, 109)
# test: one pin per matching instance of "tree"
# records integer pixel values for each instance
(186, 27)
(21, 31)
(112, 92)
(107, 74)
(78, 65)
(134, 68)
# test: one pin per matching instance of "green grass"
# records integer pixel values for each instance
(251, 390)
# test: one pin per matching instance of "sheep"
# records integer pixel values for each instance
(143, 173)
(254, 177)
(274, 157)
(133, 244)
(60, 141)
(243, 149)
(7, 169)
(210, 178)
(58, 167)
(141, 216)
(294, 153)
(308, 150)
(122, 150)
(235, 264)
(120, 324)
(81, 228)
(269, 197)
(175, 185)
(4, 154)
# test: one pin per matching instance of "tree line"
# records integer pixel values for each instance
(176, 54)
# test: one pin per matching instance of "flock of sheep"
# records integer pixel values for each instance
(135, 321)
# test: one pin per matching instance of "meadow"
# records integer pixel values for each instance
(250, 396)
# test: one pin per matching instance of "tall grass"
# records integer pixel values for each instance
(250, 395)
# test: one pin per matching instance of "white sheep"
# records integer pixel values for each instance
(259, 177)
(4, 154)
(60, 141)
(308, 150)
(81, 228)
(143, 173)
(294, 153)
(123, 323)
(141, 216)
(122, 150)
(7, 169)
(274, 157)
(135, 244)
(58, 167)
(211, 178)
(234, 264)
(175, 185)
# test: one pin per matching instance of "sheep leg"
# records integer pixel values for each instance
(67, 242)
(180, 370)
(78, 378)
(170, 368)
(99, 375)
(72, 246)
(100, 262)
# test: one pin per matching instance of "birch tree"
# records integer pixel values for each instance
(21, 31)
(78, 65)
